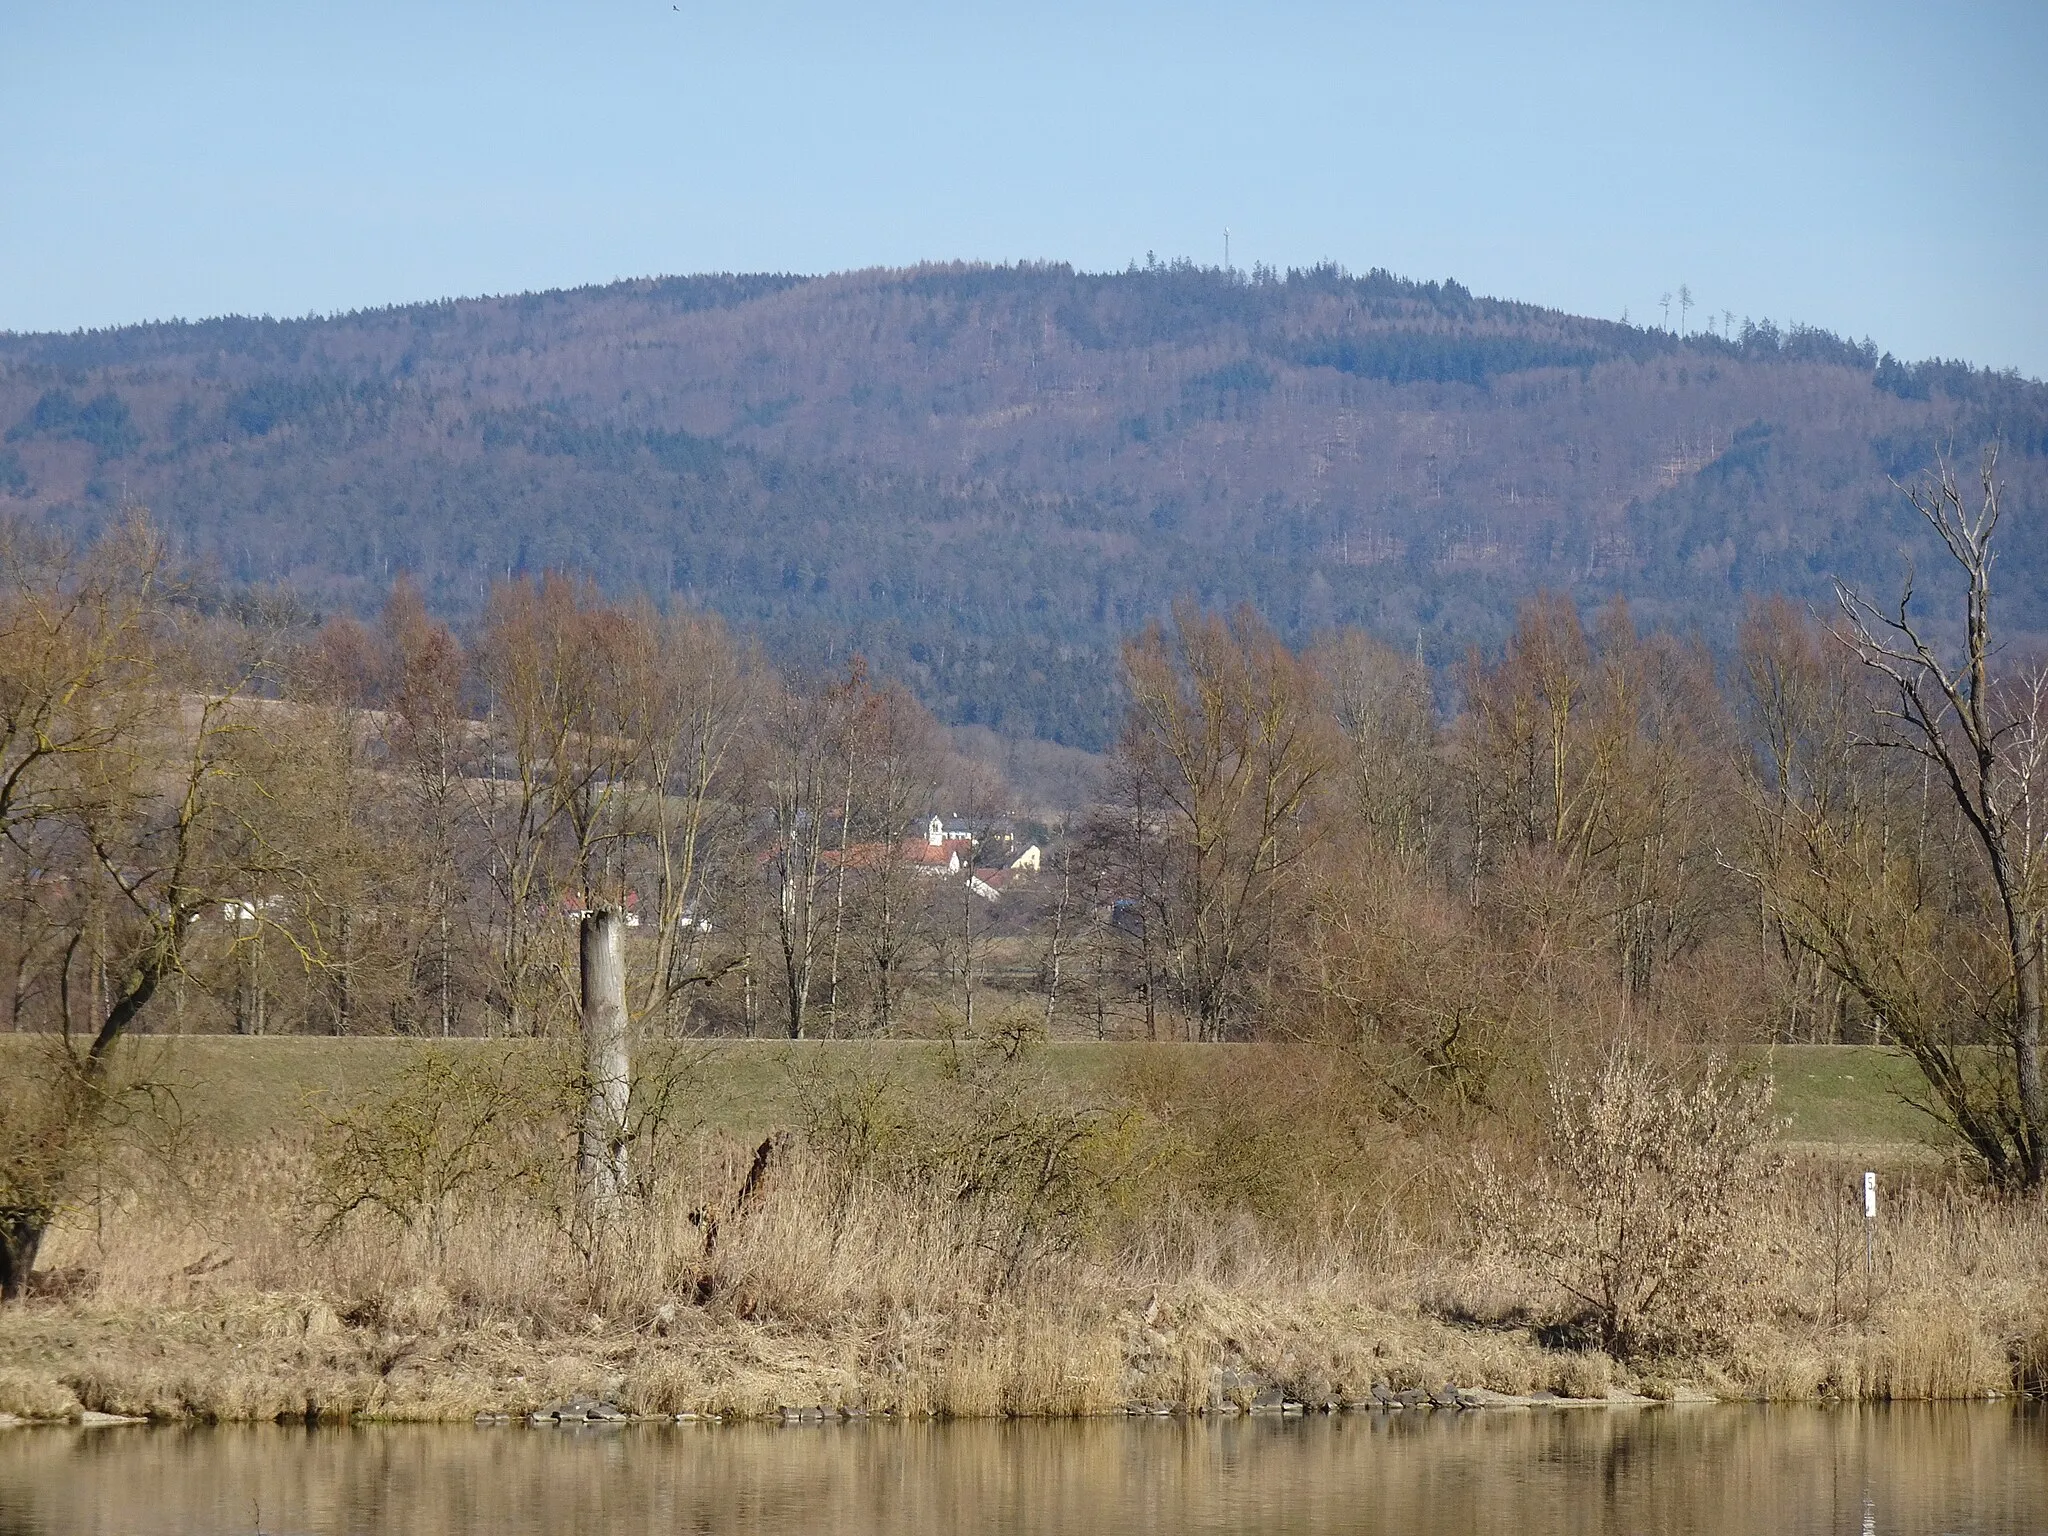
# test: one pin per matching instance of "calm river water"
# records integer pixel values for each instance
(1533, 1473)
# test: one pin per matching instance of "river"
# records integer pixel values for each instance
(1543, 1472)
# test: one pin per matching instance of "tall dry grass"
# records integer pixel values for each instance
(984, 1245)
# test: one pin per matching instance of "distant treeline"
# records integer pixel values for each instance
(219, 818)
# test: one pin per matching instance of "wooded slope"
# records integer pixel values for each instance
(983, 477)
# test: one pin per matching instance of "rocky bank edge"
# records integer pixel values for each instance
(270, 1358)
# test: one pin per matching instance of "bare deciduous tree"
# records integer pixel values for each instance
(1982, 736)
(431, 740)
(800, 773)
(553, 769)
(1388, 719)
(1601, 758)
(131, 740)
(689, 713)
(1227, 743)
(900, 757)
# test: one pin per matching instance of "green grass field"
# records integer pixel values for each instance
(1831, 1097)
(1851, 1095)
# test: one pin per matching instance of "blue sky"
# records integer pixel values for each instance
(1879, 169)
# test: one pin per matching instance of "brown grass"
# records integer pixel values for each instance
(1194, 1259)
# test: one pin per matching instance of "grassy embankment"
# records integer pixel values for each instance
(1221, 1224)
(1834, 1098)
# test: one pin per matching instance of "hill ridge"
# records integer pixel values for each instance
(984, 475)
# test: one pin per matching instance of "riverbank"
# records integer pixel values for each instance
(1194, 1230)
(390, 1339)
(265, 1358)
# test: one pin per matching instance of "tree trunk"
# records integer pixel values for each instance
(21, 1235)
(344, 978)
(2028, 1003)
(443, 958)
(601, 1149)
(839, 897)
(1059, 925)
(967, 951)
(795, 918)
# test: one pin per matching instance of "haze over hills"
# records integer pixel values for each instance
(983, 476)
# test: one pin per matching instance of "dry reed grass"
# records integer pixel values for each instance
(1200, 1266)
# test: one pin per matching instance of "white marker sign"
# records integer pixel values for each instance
(1870, 1197)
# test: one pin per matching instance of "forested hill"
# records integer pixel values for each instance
(984, 476)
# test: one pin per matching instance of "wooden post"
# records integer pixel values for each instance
(601, 1149)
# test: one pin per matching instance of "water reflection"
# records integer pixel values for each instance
(1704, 1469)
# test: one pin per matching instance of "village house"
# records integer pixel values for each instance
(942, 847)
(934, 858)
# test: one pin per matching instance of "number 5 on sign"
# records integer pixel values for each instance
(1870, 1197)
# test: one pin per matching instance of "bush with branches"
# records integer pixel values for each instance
(1636, 1205)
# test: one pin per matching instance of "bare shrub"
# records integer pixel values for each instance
(1275, 1150)
(1031, 1170)
(854, 1119)
(1635, 1204)
(1016, 1171)
(458, 1127)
